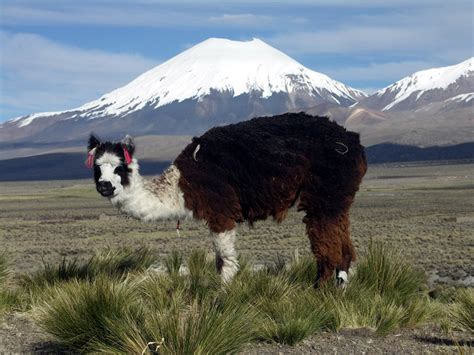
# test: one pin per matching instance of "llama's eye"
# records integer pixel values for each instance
(119, 169)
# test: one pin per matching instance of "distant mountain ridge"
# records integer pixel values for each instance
(425, 87)
(216, 82)
(220, 81)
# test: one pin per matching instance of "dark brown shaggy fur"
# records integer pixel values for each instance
(259, 168)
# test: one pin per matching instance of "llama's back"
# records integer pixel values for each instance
(259, 167)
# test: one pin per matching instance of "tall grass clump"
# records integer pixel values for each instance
(206, 326)
(385, 293)
(387, 273)
(173, 262)
(85, 315)
(3, 269)
(8, 298)
(203, 278)
(114, 263)
(292, 318)
(461, 311)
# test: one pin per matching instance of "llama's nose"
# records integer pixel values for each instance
(105, 188)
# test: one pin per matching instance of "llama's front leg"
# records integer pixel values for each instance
(226, 256)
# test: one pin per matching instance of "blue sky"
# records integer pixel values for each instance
(57, 55)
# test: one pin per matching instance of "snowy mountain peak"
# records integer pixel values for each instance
(218, 65)
(425, 80)
(212, 66)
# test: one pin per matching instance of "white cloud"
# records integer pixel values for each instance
(443, 32)
(41, 75)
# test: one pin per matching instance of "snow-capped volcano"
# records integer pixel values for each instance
(221, 65)
(215, 82)
(425, 87)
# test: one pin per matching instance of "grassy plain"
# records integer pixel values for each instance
(423, 211)
(426, 211)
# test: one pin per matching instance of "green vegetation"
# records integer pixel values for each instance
(132, 309)
(113, 263)
(462, 311)
(8, 298)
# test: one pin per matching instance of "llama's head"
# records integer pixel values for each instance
(111, 163)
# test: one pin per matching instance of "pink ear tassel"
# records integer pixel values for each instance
(128, 158)
(90, 159)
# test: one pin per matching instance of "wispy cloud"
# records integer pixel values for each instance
(41, 75)
(247, 20)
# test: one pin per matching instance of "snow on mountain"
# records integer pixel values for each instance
(215, 65)
(407, 91)
(463, 97)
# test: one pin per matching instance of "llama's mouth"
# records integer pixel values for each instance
(107, 193)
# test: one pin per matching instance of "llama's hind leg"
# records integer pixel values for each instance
(347, 250)
(226, 256)
(326, 244)
(348, 256)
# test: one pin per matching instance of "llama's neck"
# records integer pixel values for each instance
(158, 199)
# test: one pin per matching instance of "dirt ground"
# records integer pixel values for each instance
(423, 210)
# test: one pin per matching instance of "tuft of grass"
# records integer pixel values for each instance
(206, 326)
(119, 262)
(8, 298)
(203, 278)
(386, 272)
(384, 294)
(173, 262)
(302, 269)
(462, 311)
(293, 317)
(85, 315)
(114, 263)
(3, 269)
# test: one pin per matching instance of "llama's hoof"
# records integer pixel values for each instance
(341, 279)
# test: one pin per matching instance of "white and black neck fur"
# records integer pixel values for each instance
(158, 199)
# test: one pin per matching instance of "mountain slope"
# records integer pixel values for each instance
(425, 87)
(218, 81)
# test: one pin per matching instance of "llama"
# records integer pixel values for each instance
(246, 172)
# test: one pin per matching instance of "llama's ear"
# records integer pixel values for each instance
(93, 142)
(129, 144)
